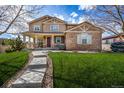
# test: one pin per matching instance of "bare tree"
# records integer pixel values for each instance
(15, 17)
(110, 18)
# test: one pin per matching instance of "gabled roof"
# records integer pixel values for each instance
(71, 24)
(54, 18)
(48, 18)
(82, 24)
(38, 19)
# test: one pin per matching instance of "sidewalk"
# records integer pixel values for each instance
(34, 73)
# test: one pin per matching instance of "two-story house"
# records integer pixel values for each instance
(52, 32)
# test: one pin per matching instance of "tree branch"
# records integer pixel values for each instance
(12, 21)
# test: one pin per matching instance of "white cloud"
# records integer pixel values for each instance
(74, 14)
(59, 16)
(71, 20)
(83, 18)
(86, 7)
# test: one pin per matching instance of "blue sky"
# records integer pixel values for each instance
(69, 13)
(64, 10)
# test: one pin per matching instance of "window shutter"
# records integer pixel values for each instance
(78, 39)
(89, 39)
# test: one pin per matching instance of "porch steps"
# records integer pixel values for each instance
(45, 49)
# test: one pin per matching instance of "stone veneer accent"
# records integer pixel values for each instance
(71, 41)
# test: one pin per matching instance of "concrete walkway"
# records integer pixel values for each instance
(34, 73)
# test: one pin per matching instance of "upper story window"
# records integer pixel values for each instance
(36, 28)
(54, 28)
(84, 39)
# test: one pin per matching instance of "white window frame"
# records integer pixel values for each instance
(59, 39)
(85, 39)
(35, 26)
(52, 29)
(86, 36)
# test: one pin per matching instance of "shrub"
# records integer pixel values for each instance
(3, 43)
(40, 44)
(61, 47)
(117, 47)
(17, 45)
(6, 41)
(9, 50)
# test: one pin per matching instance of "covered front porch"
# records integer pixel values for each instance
(44, 40)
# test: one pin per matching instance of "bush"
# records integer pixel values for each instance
(6, 41)
(61, 47)
(3, 43)
(9, 50)
(117, 47)
(40, 44)
(17, 45)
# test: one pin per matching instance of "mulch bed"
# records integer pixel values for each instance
(48, 78)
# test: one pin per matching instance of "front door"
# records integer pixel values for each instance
(48, 41)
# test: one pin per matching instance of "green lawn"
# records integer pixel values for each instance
(10, 63)
(88, 70)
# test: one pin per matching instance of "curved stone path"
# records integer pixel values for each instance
(34, 73)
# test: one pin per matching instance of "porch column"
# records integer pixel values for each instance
(52, 41)
(24, 38)
(44, 42)
(36, 40)
(33, 40)
(29, 39)
(33, 43)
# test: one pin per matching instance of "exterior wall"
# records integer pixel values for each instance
(106, 47)
(46, 27)
(31, 26)
(39, 22)
(107, 41)
(71, 41)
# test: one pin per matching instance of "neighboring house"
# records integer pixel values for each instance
(107, 41)
(111, 39)
(52, 32)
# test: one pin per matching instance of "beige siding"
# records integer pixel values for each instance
(46, 27)
(31, 26)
